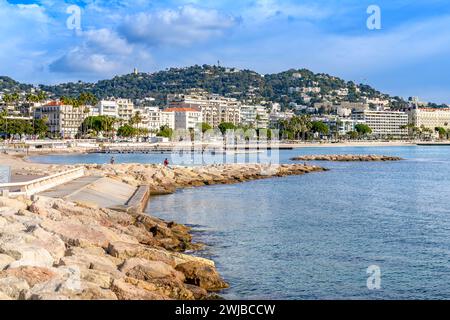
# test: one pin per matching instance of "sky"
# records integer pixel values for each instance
(54, 41)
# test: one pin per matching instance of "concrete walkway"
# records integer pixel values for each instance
(104, 192)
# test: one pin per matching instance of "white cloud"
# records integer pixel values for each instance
(183, 26)
(82, 61)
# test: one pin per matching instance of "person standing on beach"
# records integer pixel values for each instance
(112, 161)
(166, 162)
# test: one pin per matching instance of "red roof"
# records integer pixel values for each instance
(181, 110)
(54, 103)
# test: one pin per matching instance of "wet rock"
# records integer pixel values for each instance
(202, 275)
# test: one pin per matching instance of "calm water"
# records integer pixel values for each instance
(313, 236)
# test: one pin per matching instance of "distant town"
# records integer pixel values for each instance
(315, 112)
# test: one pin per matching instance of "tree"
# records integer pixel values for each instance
(205, 127)
(224, 126)
(442, 132)
(136, 118)
(40, 127)
(165, 131)
(320, 127)
(127, 131)
(363, 129)
(353, 135)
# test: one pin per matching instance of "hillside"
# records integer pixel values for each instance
(285, 87)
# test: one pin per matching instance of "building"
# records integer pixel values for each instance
(108, 108)
(214, 108)
(154, 118)
(430, 118)
(384, 123)
(254, 116)
(276, 117)
(62, 120)
(186, 118)
(125, 109)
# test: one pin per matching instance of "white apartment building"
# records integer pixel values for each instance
(214, 108)
(186, 118)
(384, 123)
(108, 108)
(276, 117)
(125, 109)
(154, 118)
(254, 116)
(430, 118)
(63, 120)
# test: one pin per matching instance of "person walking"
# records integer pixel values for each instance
(166, 162)
(112, 161)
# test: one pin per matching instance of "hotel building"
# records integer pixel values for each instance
(430, 118)
(63, 120)
(186, 118)
(384, 123)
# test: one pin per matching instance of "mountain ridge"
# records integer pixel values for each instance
(294, 86)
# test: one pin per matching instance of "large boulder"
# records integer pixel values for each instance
(144, 269)
(202, 275)
(124, 250)
(81, 235)
(127, 291)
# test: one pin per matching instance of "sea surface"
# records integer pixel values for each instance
(314, 236)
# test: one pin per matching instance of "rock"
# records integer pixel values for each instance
(14, 287)
(346, 158)
(4, 296)
(32, 256)
(182, 258)
(202, 275)
(80, 235)
(124, 250)
(32, 275)
(13, 203)
(199, 293)
(127, 291)
(85, 260)
(5, 260)
(144, 269)
(100, 278)
(52, 243)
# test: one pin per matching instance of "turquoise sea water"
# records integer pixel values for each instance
(314, 236)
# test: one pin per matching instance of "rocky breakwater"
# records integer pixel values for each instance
(346, 158)
(166, 180)
(53, 249)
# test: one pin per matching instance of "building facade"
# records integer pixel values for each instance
(254, 116)
(384, 123)
(430, 118)
(186, 118)
(214, 108)
(64, 121)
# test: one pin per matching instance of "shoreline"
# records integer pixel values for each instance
(120, 254)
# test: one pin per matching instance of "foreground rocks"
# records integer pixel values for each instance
(346, 158)
(53, 249)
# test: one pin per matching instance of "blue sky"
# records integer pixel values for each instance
(408, 56)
